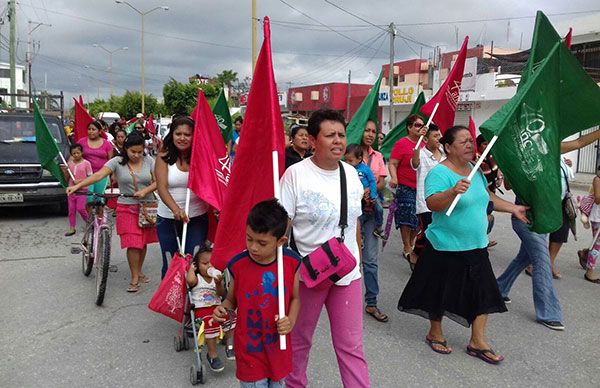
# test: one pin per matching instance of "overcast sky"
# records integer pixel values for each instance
(315, 42)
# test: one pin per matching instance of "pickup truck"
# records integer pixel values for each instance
(23, 182)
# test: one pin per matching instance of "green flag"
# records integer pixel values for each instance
(367, 111)
(399, 130)
(221, 111)
(557, 100)
(47, 148)
(131, 127)
(544, 38)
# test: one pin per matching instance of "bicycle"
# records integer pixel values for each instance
(95, 244)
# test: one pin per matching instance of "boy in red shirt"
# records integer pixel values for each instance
(253, 291)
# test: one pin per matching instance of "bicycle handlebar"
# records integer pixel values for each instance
(103, 195)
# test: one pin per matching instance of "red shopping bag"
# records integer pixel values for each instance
(169, 298)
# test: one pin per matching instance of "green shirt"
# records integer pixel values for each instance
(466, 227)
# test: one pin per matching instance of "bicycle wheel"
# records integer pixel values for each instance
(87, 254)
(102, 264)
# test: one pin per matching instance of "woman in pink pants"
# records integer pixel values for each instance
(311, 194)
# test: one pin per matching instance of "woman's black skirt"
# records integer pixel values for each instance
(459, 285)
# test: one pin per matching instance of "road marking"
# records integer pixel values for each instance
(34, 258)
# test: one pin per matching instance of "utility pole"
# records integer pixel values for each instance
(392, 32)
(13, 52)
(29, 55)
(348, 99)
(253, 35)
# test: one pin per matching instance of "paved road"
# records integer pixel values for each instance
(53, 335)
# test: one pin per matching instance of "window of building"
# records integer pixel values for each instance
(4, 73)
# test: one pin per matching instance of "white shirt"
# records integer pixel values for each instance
(177, 181)
(204, 294)
(312, 198)
(427, 162)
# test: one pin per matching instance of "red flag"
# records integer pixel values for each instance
(209, 164)
(472, 129)
(447, 95)
(82, 120)
(568, 37)
(150, 125)
(252, 173)
(81, 101)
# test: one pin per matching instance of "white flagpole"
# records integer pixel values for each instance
(280, 285)
(185, 225)
(437, 104)
(65, 163)
(472, 173)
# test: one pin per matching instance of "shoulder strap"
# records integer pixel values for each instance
(566, 178)
(133, 178)
(344, 203)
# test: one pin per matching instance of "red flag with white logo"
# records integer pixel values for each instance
(252, 178)
(82, 120)
(447, 95)
(209, 164)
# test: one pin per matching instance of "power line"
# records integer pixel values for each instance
(356, 16)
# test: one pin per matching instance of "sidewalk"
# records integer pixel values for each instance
(582, 181)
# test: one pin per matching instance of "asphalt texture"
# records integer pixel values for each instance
(53, 335)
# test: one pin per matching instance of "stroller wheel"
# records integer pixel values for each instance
(193, 375)
(178, 343)
(185, 342)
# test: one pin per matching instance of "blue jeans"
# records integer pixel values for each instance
(264, 383)
(378, 212)
(169, 229)
(369, 258)
(534, 250)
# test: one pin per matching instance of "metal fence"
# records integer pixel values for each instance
(587, 159)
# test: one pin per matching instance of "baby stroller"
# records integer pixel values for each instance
(190, 330)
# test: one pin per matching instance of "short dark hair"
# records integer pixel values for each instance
(315, 120)
(356, 150)
(295, 129)
(450, 135)
(480, 140)
(133, 139)
(238, 119)
(432, 128)
(410, 120)
(75, 146)
(268, 217)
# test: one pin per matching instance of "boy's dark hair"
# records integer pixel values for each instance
(315, 120)
(75, 146)
(432, 128)
(480, 140)
(238, 119)
(356, 150)
(268, 217)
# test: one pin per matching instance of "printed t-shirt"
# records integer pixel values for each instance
(256, 340)
(143, 178)
(80, 171)
(466, 227)
(426, 163)
(311, 196)
(96, 156)
(403, 152)
(204, 294)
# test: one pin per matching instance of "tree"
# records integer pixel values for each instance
(226, 78)
(180, 98)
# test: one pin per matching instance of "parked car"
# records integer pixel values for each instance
(23, 182)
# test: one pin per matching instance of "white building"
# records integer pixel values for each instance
(21, 84)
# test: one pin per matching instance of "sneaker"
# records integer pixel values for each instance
(229, 353)
(554, 325)
(215, 364)
(379, 233)
(506, 300)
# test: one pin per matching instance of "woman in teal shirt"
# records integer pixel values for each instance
(454, 276)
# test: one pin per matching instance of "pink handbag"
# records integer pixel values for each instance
(332, 260)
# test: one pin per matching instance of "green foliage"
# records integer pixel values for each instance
(226, 78)
(127, 105)
(180, 98)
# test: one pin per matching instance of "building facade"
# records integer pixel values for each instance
(338, 96)
(20, 83)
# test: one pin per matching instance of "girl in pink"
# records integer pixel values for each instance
(81, 169)
(97, 151)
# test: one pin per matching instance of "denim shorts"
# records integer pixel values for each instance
(264, 383)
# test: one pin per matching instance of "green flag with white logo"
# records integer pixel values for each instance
(557, 100)
(47, 149)
(367, 111)
(221, 111)
(401, 129)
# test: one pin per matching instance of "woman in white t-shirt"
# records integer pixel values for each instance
(310, 193)
(172, 167)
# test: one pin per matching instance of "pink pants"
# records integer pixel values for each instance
(77, 205)
(593, 253)
(344, 308)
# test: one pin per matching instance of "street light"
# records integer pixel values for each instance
(142, 14)
(110, 54)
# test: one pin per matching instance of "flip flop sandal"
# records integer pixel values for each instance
(407, 258)
(596, 281)
(431, 342)
(133, 287)
(556, 275)
(375, 313)
(481, 354)
(144, 279)
(583, 258)
(528, 272)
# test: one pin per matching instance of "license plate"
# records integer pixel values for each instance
(11, 197)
